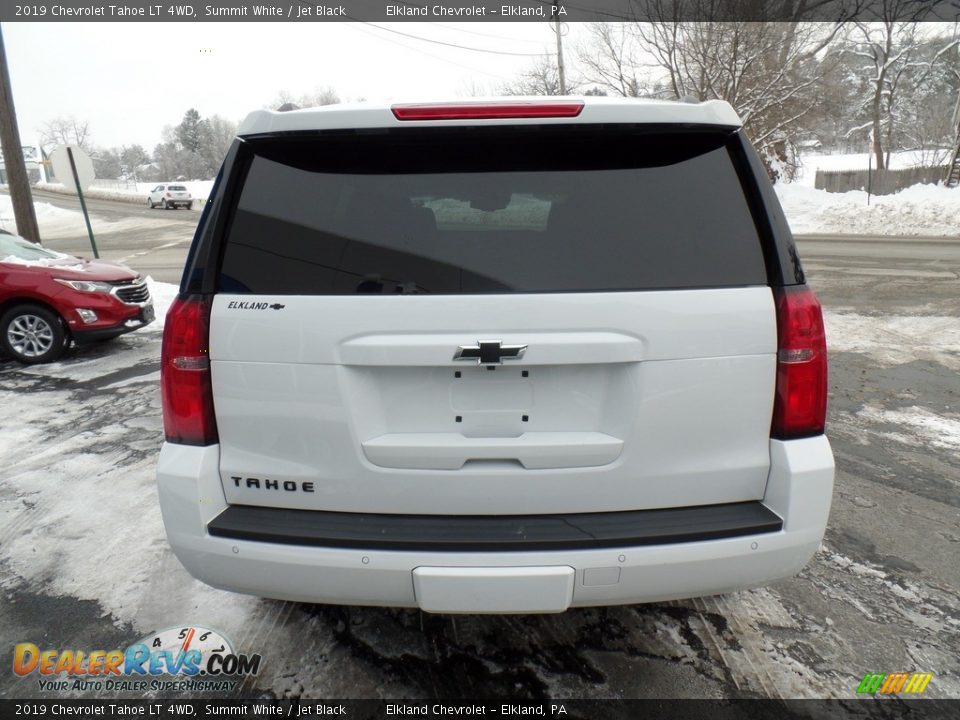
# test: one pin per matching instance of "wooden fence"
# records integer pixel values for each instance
(879, 182)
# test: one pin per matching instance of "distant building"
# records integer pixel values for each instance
(32, 159)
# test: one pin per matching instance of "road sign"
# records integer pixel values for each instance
(74, 169)
(61, 166)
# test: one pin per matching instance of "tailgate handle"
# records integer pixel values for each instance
(533, 450)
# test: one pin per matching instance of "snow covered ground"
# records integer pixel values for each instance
(58, 222)
(921, 210)
(896, 339)
(49, 218)
(199, 189)
(79, 520)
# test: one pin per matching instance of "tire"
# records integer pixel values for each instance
(170, 206)
(32, 334)
(190, 205)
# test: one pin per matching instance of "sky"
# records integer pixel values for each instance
(129, 80)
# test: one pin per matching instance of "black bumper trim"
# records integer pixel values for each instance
(82, 337)
(494, 533)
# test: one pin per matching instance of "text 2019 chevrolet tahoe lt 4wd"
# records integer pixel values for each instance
(509, 356)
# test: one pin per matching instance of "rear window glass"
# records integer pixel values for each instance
(492, 210)
(176, 187)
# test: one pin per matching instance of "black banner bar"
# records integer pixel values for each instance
(474, 10)
(204, 709)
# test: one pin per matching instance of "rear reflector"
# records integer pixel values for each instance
(800, 406)
(185, 387)
(487, 111)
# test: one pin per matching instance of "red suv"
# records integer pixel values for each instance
(48, 299)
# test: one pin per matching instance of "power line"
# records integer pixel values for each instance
(438, 42)
(424, 52)
(495, 37)
(595, 11)
(453, 45)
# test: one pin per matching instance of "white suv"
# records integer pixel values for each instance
(170, 196)
(511, 356)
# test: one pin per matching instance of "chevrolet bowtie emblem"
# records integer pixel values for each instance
(489, 352)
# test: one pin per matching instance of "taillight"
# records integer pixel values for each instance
(168, 195)
(185, 387)
(800, 406)
(487, 111)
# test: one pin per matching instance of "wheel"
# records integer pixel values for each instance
(169, 206)
(190, 205)
(150, 203)
(32, 334)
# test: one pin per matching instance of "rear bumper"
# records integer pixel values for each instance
(799, 491)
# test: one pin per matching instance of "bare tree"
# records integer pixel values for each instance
(218, 135)
(473, 88)
(319, 97)
(766, 70)
(541, 78)
(609, 57)
(887, 40)
(65, 130)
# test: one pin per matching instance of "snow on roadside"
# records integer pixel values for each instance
(162, 294)
(49, 217)
(93, 419)
(199, 189)
(895, 339)
(921, 210)
(58, 222)
(928, 428)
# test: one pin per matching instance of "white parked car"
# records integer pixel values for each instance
(505, 356)
(170, 196)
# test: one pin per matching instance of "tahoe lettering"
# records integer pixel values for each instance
(267, 484)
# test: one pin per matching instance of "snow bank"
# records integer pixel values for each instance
(162, 294)
(811, 162)
(199, 189)
(921, 210)
(49, 217)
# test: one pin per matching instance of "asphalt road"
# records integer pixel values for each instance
(155, 242)
(882, 595)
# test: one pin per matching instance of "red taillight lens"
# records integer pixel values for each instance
(487, 111)
(168, 194)
(185, 387)
(800, 407)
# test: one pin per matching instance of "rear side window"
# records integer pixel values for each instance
(492, 210)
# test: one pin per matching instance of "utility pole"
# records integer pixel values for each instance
(15, 168)
(556, 29)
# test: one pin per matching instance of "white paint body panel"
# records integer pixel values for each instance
(632, 400)
(799, 489)
(595, 110)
